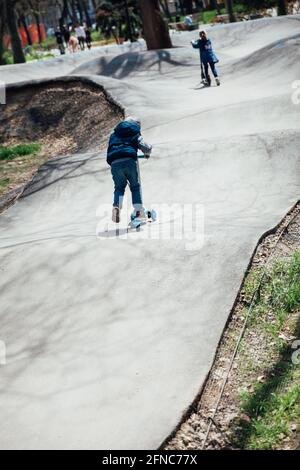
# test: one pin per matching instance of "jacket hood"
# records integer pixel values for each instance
(127, 129)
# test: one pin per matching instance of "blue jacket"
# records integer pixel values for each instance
(206, 51)
(124, 141)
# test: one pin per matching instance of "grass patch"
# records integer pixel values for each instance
(208, 16)
(46, 45)
(272, 408)
(7, 57)
(278, 294)
(10, 153)
(274, 404)
(97, 36)
(4, 182)
(37, 52)
(17, 164)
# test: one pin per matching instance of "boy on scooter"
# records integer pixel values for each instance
(123, 146)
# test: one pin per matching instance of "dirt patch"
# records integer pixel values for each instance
(263, 356)
(63, 116)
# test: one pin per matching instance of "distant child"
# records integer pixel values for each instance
(59, 40)
(207, 56)
(73, 44)
(124, 143)
(80, 34)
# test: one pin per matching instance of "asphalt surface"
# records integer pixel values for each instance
(109, 336)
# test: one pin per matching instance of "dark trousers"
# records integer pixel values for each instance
(81, 41)
(213, 69)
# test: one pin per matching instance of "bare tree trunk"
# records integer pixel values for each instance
(79, 8)
(165, 8)
(155, 28)
(2, 23)
(281, 7)
(168, 13)
(38, 25)
(64, 14)
(86, 14)
(215, 6)
(229, 8)
(188, 5)
(73, 14)
(15, 40)
(24, 24)
(129, 28)
(181, 6)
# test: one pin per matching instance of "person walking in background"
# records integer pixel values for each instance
(80, 34)
(59, 40)
(207, 56)
(66, 34)
(73, 44)
(88, 37)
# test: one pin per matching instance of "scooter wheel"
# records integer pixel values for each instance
(153, 215)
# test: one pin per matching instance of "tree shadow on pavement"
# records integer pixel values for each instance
(125, 64)
(63, 168)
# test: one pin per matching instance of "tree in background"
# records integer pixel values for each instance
(229, 8)
(2, 30)
(164, 5)
(22, 13)
(35, 9)
(256, 5)
(11, 22)
(83, 12)
(119, 18)
(188, 6)
(155, 28)
(65, 13)
(281, 7)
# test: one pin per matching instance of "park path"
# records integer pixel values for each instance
(109, 340)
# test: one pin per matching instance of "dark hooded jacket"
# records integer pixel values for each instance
(123, 142)
(206, 51)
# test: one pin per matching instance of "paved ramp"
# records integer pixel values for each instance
(109, 340)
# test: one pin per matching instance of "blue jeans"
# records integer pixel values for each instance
(213, 69)
(123, 173)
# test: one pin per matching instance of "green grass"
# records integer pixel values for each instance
(7, 57)
(46, 45)
(272, 407)
(18, 163)
(37, 53)
(279, 293)
(4, 182)
(37, 56)
(10, 153)
(275, 403)
(97, 36)
(208, 16)
(32, 53)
